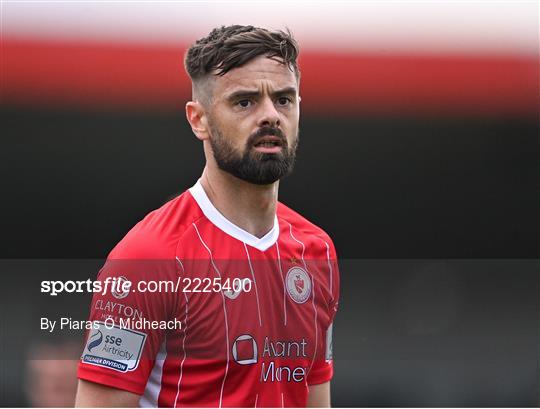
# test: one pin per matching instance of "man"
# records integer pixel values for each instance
(265, 340)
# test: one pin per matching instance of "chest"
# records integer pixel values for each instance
(260, 306)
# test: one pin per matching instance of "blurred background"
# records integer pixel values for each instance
(418, 155)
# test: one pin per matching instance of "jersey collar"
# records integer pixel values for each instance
(221, 222)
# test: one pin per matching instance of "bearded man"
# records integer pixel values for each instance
(258, 283)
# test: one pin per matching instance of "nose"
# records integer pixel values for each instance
(269, 116)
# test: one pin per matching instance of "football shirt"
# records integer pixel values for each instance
(244, 321)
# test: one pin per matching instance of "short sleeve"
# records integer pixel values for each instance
(128, 323)
(323, 368)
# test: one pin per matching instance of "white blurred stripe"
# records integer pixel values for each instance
(153, 387)
(387, 26)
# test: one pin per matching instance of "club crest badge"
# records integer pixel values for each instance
(298, 285)
(119, 290)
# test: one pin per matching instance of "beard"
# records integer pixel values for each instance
(252, 166)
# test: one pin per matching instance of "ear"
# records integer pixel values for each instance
(197, 118)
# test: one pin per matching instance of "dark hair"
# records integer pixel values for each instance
(230, 47)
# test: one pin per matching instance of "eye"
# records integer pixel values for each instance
(244, 103)
(283, 101)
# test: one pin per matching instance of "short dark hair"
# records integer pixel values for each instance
(229, 47)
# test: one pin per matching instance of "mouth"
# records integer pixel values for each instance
(268, 144)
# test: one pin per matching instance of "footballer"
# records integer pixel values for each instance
(257, 284)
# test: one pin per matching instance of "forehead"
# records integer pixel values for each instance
(260, 73)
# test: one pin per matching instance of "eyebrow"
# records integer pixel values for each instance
(249, 93)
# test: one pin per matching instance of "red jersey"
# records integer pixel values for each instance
(246, 321)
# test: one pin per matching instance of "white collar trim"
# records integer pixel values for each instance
(221, 222)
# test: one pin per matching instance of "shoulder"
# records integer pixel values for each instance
(157, 235)
(299, 226)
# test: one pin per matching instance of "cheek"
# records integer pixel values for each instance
(236, 133)
(292, 130)
(291, 118)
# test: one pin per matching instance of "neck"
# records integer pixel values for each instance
(250, 207)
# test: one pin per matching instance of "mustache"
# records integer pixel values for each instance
(266, 131)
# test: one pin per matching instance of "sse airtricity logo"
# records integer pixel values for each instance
(94, 340)
(298, 285)
(114, 347)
